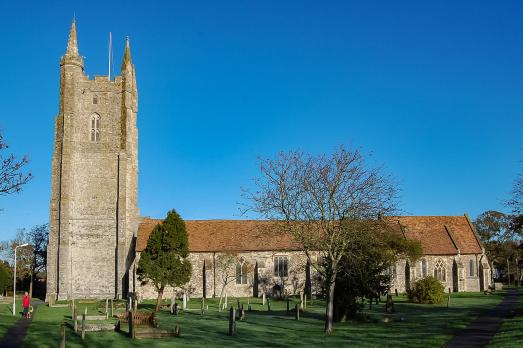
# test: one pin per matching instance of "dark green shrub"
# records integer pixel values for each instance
(427, 290)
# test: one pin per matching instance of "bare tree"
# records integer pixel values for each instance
(321, 201)
(12, 176)
(226, 266)
(516, 204)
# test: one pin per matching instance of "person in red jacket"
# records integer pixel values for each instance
(25, 304)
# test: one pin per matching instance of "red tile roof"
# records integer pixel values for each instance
(224, 235)
(439, 235)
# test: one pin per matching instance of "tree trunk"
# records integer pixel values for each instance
(31, 286)
(221, 298)
(329, 313)
(159, 299)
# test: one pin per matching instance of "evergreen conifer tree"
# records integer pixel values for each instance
(165, 258)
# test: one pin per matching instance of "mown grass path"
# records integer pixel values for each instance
(481, 330)
(16, 334)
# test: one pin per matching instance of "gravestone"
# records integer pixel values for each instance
(296, 312)
(232, 322)
(62, 336)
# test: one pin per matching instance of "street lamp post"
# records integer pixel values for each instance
(14, 278)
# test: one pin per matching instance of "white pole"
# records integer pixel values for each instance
(14, 285)
(14, 278)
(110, 44)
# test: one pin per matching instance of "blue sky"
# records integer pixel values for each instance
(434, 89)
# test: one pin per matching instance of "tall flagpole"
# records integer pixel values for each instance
(110, 44)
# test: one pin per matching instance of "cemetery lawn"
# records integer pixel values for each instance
(7, 319)
(511, 332)
(412, 325)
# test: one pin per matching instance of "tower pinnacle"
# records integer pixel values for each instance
(127, 54)
(72, 44)
(71, 53)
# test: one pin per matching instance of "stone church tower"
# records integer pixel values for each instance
(94, 209)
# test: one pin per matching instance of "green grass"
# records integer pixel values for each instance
(7, 319)
(412, 325)
(511, 332)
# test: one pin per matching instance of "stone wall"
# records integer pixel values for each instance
(294, 283)
(466, 281)
(214, 275)
(93, 210)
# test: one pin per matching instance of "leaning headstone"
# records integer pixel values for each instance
(296, 312)
(203, 306)
(106, 308)
(232, 322)
(305, 301)
(225, 304)
(83, 323)
(301, 300)
(263, 299)
(448, 301)
(184, 303)
(132, 333)
(62, 336)
(242, 313)
(268, 305)
(112, 308)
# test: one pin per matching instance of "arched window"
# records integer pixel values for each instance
(471, 269)
(439, 271)
(424, 271)
(95, 127)
(281, 266)
(241, 271)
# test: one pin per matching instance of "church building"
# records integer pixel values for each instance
(97, 233)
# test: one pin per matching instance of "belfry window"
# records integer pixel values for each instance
(439, 271)
(95, 128)
(95, 99)
(241, 271)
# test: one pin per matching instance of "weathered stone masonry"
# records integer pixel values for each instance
(93, 210)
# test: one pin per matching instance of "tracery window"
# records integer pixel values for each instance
(472, 273)
(95, 127)
(440, 271)
(241, 271)
(281, 266)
